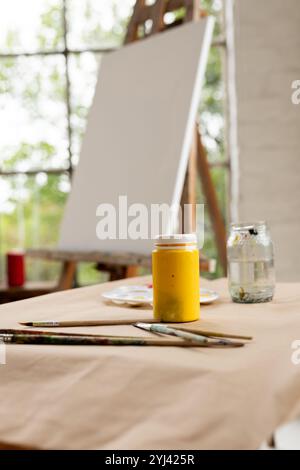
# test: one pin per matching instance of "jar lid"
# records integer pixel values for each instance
(176, 239)
(248, 226)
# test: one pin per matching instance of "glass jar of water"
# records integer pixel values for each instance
(250, 263)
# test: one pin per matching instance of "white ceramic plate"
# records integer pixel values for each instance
(130, 295)
(143, 295)
(207, 296)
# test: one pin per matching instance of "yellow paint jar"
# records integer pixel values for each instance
(175, 269)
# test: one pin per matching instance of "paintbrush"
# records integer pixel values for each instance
(56, 333)
(213, 333)
(64, 339)
(74, 323)
(192, 337)
(64, 324)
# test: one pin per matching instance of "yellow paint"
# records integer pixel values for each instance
(176, 291)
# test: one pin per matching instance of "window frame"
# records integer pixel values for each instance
(68, 52)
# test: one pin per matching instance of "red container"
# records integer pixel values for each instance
(15, 263)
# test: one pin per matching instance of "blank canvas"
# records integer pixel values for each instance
(139, 132)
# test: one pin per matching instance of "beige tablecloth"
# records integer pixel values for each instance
(151, 398)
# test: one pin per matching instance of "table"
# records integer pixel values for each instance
(30, 289)
(150, 398)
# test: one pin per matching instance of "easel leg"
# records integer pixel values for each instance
(212, 202)
(189, 191)
(67, 276)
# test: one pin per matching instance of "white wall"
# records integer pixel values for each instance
(267, 61)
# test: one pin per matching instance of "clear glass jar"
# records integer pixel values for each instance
(250, 263)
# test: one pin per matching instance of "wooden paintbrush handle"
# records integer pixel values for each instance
(58, 340)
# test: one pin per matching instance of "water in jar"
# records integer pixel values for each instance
(250, 263)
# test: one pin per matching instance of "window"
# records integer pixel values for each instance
(49, 56)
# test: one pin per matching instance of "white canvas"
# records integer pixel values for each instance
(139, 132)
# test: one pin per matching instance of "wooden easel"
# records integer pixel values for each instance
(146, 21)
